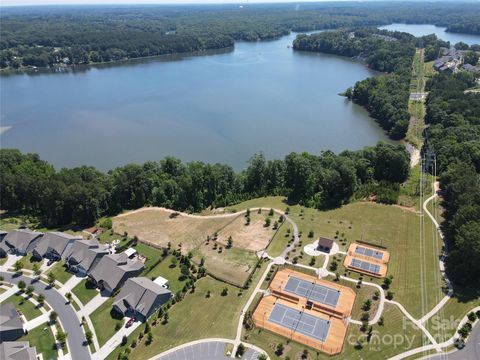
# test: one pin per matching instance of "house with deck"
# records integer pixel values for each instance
(112, 271)
(85, 255)
(140, 297)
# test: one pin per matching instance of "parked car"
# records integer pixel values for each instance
(130, 322)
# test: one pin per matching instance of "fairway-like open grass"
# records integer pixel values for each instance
(26, 307)
(154, 225)
(85, 291)
(394, 227)
(42, 339)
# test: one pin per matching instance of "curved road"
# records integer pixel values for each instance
(471, 351)
(70, 322)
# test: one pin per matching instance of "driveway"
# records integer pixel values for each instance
(212, 350)
(68, 317)
(471, 351)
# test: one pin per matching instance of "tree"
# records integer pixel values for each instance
(124, 340)
(267, 222)
(89, 336)
(367, 305)
(21, 285)
(18, 265)
(51, 278)
(270, 213)
(224, 291)
(53, 317)
(262, 357)
(30, 290)
(69, 296)
(149, 338)
(240, 350)
(173, 262)
(62, 337)
(36, 269)
(229, 242)
(41, 299)
(147, 327)
(279, 349)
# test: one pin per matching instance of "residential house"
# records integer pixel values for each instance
(11, 326)
(17, 350)
(55, 245)
(22, 241)
(140, 297)
(85, 255)
(112, 271)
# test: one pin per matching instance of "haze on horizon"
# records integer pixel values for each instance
(165, 2)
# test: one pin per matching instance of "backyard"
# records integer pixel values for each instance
(42, 338)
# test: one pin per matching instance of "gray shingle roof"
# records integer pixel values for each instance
(9, 318)
(139, 293)
(17, 350)
(56, 241)
(21, 239)
(85, 252)
(112, 268)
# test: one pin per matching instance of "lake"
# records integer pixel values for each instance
(223, 107)
(424, 29)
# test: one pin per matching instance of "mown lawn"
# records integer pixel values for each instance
(26, 307)
(152, 254)
(444, 323)
(104, 320)
(60, 271)
(42, 338)
(85, 291)
(195, 317)
(396, 336)
(393, 227)
(28, 261)
(280, 239)
(172, 274)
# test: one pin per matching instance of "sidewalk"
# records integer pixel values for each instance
(11, 291)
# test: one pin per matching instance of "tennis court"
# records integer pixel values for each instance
(298, 321)
(365, 266)
(312, 291)
(369, 252)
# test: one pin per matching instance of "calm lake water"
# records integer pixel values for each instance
(218, 108)
(421, 30)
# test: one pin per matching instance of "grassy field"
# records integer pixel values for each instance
(396, 228)
(172, 274)
(104, 320)
(234, 264)
(443, 324)
(253, 237)
(42, 338)
(280, 239)
(396, 336)
(26, 307)
(84, 291)
(60, 272)
(153, 225)
(196, 317)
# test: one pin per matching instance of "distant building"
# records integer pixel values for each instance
(324, 245)
(140, 297)
(55, 245)
(17, 350)
(11, 326)
(22, 241)
(470, 68)
(112, 271)
(85, 254)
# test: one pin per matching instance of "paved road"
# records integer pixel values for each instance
(471, 351)
(66, 314)
(213, 350)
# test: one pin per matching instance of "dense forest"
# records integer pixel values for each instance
(385, 96)
(46, 36)
(32, 187)
(454, 136)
